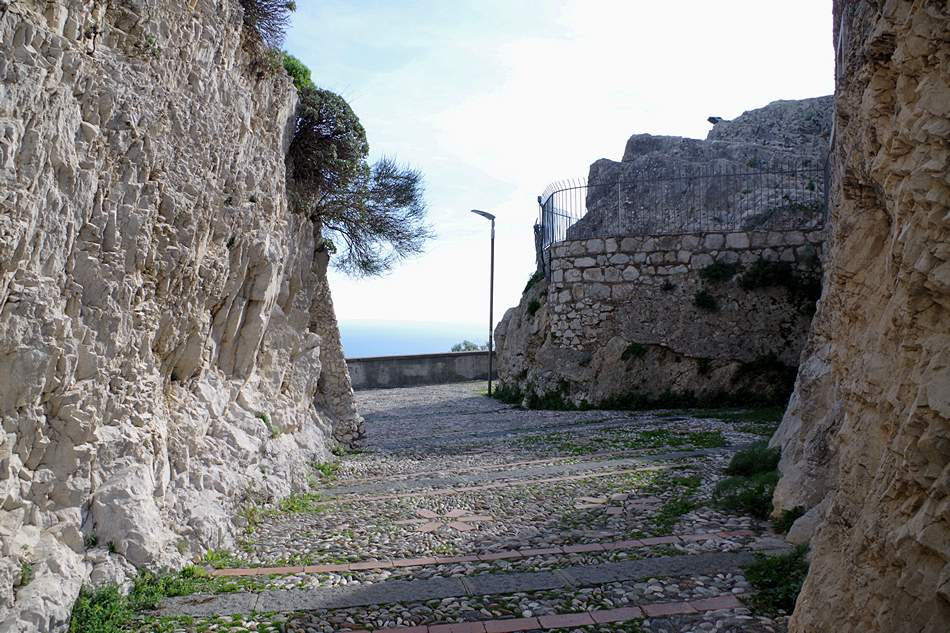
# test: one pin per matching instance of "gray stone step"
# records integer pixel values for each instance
(438, 588)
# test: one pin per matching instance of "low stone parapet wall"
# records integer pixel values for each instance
(387, 372)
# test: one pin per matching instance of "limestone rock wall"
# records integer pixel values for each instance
(165, 323)
(618, 317)
(866, 438)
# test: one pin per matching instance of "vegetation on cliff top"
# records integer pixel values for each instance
(375, 212)
(372, 216)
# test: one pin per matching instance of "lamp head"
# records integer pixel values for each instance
(485, 215)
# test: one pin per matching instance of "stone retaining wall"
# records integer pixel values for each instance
(619, 317)
(602, 287)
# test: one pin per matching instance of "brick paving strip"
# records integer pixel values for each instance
(394, 591)
(508, 554)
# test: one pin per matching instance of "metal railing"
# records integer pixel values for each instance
(706, 199)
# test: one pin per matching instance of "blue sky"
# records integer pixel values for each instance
(493, 100)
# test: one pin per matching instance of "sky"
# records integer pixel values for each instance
(493, 100)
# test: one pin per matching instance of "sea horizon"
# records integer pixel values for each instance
(371, 337)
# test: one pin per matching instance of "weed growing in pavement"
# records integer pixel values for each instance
(105, 609)
(327, 470)
(779, 579)
(756, 458)
(784, 522)
(305, 502)
(747, 495)
(221, 559)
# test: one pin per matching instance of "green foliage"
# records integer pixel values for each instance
(327, 470)
(105, 610)
(273, 429)
(307, 502)
(779, 579)
(705, 301)
(91, 540)
(100, 610)
(767, 371)
(509, 394)
(643, 402)
(26, 573)
(667, 516)
(298, 71)
(376, 212)
(232, 242)
(533, 279)
(634, 350)
(338, 449)
(112, 546)
(756, 458)
(752, 162)
(268, 19)
(585, 359)
(719, 272)
(221, 559)
(783, 523)
(765, 273)
(747, 495)
(668, 286)
(468, 346)
(533, 306)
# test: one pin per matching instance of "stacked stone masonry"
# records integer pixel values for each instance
(597, 285)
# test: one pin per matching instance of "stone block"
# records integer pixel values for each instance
(630, 273)
(714, 241)
(593, 274)
(612, 274)
(728, 257)
(619, 258)
(584, 262)
(794, 238)
(630, 244)
(690, 242)
(683, 257)
(699, 261)
(572, 275)
(610, 245)
(737, 240)
(595, 246)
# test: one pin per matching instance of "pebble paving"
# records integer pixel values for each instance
(461, 514)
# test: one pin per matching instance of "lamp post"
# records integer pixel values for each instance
(491, 291)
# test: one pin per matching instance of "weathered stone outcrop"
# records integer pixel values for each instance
(866, 438)
(790, 136)
(165, 323)
(619, 317)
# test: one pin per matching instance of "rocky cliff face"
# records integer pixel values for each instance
(674, 173)
(165, 324)
(866, 438)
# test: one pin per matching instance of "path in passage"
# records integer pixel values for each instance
(467, 515)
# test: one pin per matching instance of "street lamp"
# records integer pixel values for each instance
(491, 290)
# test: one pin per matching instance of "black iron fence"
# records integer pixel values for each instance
(694, 200)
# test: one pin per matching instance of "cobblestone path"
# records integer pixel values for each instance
(464, 515)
